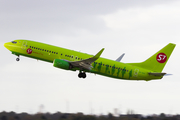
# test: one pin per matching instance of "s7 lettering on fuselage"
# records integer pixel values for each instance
(72, 60)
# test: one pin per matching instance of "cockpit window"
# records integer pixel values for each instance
(14, 42)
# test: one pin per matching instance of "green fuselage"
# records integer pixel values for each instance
(101, 66)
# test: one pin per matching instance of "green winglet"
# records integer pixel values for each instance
(98, 54)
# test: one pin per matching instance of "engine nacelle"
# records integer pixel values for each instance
(61, 64)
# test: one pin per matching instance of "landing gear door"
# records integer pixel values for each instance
(24, 45)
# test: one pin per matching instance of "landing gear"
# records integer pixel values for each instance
(17, 59)
(82, 75)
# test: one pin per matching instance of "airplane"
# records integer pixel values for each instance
(72, 60)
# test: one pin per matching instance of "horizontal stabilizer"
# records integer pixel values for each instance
(168, 74)
(157, 74)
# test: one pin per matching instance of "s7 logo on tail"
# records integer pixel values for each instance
(161, 58)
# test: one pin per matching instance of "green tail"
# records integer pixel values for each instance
(157, 62)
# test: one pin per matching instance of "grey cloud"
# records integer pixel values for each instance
(85, 7)
(61, 17)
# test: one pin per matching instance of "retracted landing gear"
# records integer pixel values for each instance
(82, 75)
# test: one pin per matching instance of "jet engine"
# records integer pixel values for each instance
(61, 64)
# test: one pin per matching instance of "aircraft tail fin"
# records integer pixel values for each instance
(157, 61)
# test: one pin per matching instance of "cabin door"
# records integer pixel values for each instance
(24, 45)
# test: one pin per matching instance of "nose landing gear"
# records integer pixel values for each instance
(82, 75)
(17, 59)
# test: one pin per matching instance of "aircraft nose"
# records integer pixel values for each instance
(6, 45)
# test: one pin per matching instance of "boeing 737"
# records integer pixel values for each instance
(72, 60)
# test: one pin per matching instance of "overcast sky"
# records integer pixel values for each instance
(138, 28)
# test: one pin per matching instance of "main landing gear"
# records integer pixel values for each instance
(82, 75)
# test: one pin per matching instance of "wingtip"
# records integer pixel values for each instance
(102, 50)
(172, 44)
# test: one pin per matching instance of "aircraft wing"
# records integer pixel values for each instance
(119, 59)
(86, 64)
